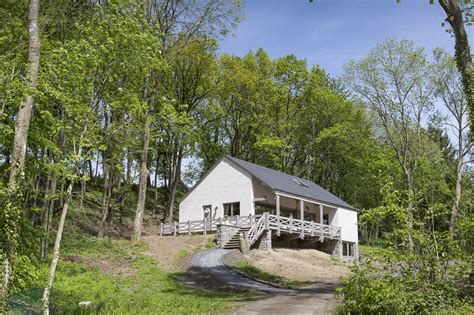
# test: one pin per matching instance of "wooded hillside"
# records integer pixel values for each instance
(104, 101)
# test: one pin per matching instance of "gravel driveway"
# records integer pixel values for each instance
(212, 261)
(317, 299)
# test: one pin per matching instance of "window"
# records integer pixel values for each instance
(326, 218)
(231, 209)
(347, 249)
(299, 182)
(309, 217)
(207, 212)
(261, 208)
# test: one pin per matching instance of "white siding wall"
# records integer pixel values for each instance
(347, 220)
(223, 184)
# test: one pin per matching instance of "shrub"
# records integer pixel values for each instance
(412, 285)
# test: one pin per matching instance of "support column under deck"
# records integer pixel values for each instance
(266, 241)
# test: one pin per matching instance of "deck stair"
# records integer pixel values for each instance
(234, 242)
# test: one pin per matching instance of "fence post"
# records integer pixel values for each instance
(161, 229)
(312, 228)
(291, 222)
(267, 223)
(174, 228)
(237, 220)
(189, 227)
(204, 227)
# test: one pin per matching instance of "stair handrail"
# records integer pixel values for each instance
(257, 229)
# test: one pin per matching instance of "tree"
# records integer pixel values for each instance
(448, 87)
(457, 19)
(177, 23)
(22, 125)
(57, 243)
(392, 82)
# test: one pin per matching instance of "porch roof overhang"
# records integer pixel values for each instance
(305, 199)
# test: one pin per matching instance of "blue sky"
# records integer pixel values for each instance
(331, 32)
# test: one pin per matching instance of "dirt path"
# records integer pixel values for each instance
(317, 299)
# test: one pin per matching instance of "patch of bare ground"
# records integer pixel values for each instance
(298, 264)
(174, 253)
(107, 266)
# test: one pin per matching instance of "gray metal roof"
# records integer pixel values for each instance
(279, 181)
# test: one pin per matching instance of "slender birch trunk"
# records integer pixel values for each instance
(22, 125)
(174, 186)
(459, 166)
(137, 227)
(105, 200)
(59, 233)
(410, 206)
(144, 171)
(457, 197)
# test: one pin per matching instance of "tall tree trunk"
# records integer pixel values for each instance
(44, 213)
(128, 184)
(462, 52)
(411, 198)
(91, 172)
(105, 199)
(142, 186)
(458, 191)
(59, 233)
(155, 206)
(49, 215)
(176, 177)
(22, 125)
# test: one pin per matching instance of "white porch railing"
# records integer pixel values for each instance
(267, 221)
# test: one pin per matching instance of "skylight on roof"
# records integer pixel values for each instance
(299, 182)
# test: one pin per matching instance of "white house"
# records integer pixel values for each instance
(234, 189)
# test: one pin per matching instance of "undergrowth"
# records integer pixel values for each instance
(141, 287)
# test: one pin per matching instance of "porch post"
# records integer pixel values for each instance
(302, 218)
(321, 214)
(277, 209)
(321, 237)
(301, 210)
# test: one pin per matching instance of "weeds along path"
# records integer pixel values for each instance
(316, 299)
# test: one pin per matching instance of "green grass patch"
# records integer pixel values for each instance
(141, 289)
(258, 274)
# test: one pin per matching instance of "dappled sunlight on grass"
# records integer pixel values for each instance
(143, 288)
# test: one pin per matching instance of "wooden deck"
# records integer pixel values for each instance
(257, 224)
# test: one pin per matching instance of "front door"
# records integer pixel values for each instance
(207, 212)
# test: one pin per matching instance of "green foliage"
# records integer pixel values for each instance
(141, 288)
(402, 285)
(368, 291)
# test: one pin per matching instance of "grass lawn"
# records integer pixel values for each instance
(117, 278)
(258, 274)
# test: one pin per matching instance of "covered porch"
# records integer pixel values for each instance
(291, 206)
